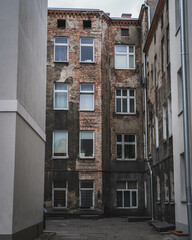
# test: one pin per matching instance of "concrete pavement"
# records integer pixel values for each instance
(103, 229)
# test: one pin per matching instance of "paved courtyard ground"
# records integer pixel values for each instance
(102, 229)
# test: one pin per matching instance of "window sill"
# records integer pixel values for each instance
(87, 62)
(166, 202)
(180, 113)
(59, 157)
(127, 207)
(60, 109)
(85, 110)
(125, 114)
(127, 160)
(184, 201)
(62, 62)
(86, 158)
(125, 69)
(158, 202)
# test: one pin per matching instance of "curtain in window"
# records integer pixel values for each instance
(121, 61)
(60, 143)
(60, 100)
(86, 101)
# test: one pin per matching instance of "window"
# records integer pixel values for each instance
(164, 123)
(168, 42)
(60, 144)
(172, 186)
(162, 55)
(86, 24)
(60, 96)
(166, 187)
(124, 32)
(86, 144)
(177, 15)
(126, 147)
(169, 117)
(59, 195)
(61, 24)
(86, 194)
(180, 91)
(125, 101)
(158, 189)
(87, 50)
(87, 97)
(157, 131)
(61, 49)
(124, 57)
(127, 194)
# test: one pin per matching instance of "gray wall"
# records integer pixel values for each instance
(23, 26)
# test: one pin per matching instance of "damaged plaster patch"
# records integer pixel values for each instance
(66, 73)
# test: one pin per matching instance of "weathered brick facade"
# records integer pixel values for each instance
(104, 169)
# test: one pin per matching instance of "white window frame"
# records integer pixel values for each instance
(123, 143)
(131, 190)
(60, 157)
(87, 92)
(157, 131)
(80, 145)
(164, 115)
(128, 97)
(60, 91)
(62, 44)
(87, 189)
(127, 53)
(60, 189)
(87, 45)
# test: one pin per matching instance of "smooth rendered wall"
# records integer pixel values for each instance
(29, 177)
(177, 120)
(7, 156)
(9, 15)
(31, 88)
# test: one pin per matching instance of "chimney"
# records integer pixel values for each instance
(126, 15)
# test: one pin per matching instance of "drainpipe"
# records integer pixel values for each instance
(185, 114)
(146, 122)
(146, 140)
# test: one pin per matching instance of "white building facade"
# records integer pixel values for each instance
(22, 117)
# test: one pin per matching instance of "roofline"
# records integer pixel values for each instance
(157, 15)
(76, 9)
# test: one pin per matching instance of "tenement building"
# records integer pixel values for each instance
(94, 150)
(158, 83)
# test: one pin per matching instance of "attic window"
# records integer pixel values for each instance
(86, 24)
(124, 32)
(61, 24)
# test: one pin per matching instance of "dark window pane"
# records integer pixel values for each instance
(119, 151)
(60, 40)
(61, 53)
(121, 185)
(124, 105)
(124, 32)
(86, 24)
(59, 198)
(132, 185)
(86, 54)
(86, 184)
(60, 86)
(126, 199)
(130, 151)
(118, 103)
(134, 199)
(129, 138)
(119, 138)
(132, 93)
(119, 199)
(132, 106)
(86, 147)
(118, 92)
(131, 49)
(87, 40)
(61, 24)
(87, 198)
(124, 92)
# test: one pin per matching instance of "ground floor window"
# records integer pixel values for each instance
(86, 194)
(127, 194)
(59, 194)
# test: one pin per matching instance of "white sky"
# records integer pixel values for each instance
(114, 7)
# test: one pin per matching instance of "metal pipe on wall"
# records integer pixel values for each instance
(185, 113)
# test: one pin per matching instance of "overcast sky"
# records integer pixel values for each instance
(114, 7)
